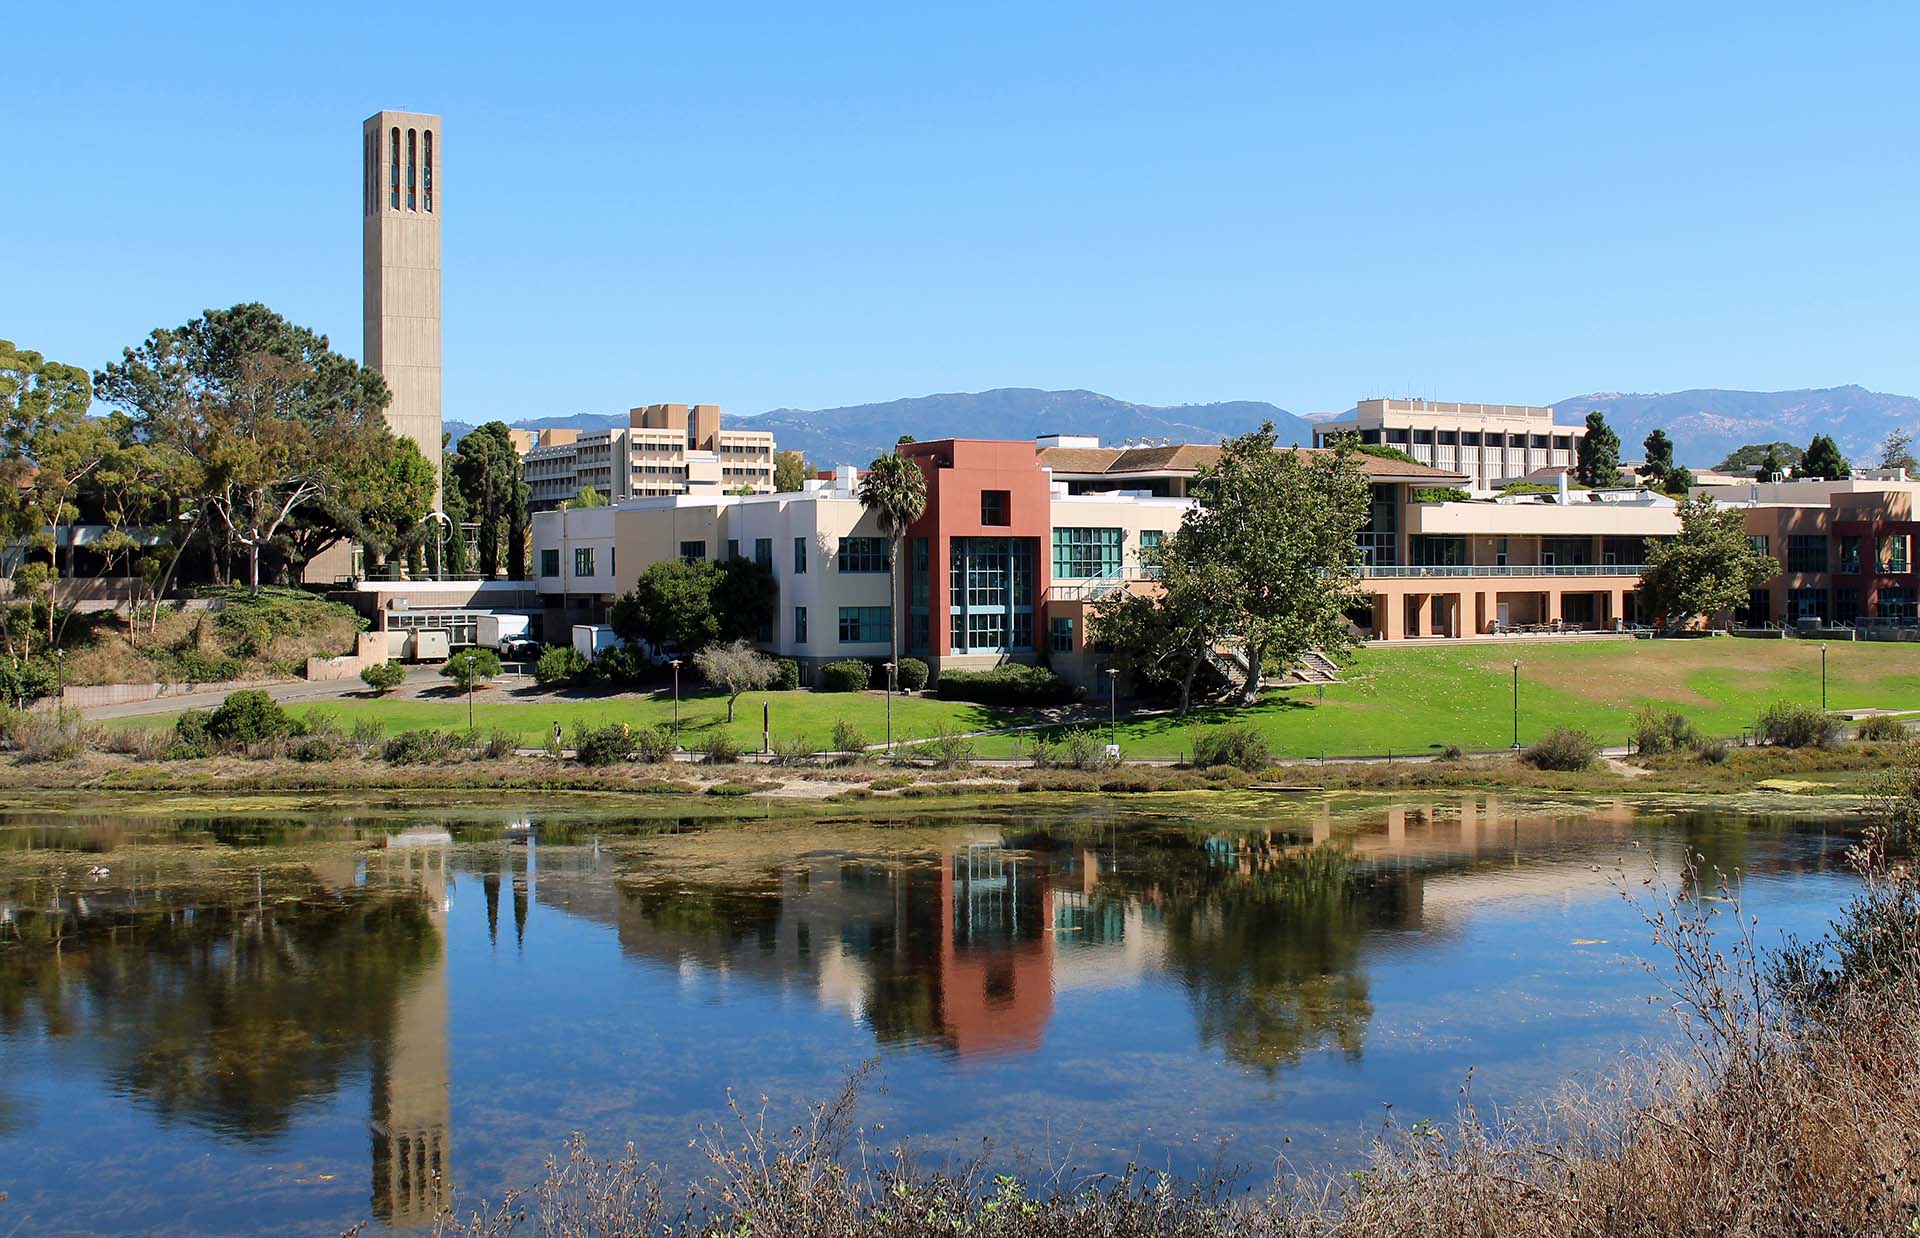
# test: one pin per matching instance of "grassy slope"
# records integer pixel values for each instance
(1404, 698)
(812, 714)
(1408, 698)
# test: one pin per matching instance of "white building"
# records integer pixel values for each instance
(666, 449)
(1486, 442)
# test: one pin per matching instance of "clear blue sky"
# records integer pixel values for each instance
(763, 207)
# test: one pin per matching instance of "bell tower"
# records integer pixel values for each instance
(404, 160)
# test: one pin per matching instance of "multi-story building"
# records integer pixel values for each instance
(1845, 548)
(1487, 443)
(666, 449)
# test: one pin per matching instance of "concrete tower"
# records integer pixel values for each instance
(400, 283)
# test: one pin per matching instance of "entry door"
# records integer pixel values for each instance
(1504, 618)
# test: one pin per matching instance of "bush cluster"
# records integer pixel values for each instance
(653, 744)
(848, 740)
(1239, 745)
(1011, 684)
(911, 674)
(1663, 730)
(426, 747)
(1564, 749)
(720, 748)
(602, 745)
(558, 664)
(786, 675)
(248, 717)
(1882, 729)
(847, 675)
(383, 677)
(1787, 725)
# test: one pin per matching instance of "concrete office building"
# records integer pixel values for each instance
(666, 449)
(1487, 443)
(404, 167)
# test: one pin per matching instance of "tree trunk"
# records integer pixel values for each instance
(730, 701)
(253, 567)
(1255, 654)
(1186, 684)
(894, 609)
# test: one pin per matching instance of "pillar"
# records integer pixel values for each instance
(1392, 609)
(1550, 603)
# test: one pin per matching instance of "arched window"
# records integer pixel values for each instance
(413, 165)
(393, 171)
(426, 167)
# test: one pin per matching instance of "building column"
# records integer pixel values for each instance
(1457, 615)
(1391, 609)
(1551, 604)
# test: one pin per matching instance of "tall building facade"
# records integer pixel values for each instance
(404, 160)
(666, 449)
(1489, 443)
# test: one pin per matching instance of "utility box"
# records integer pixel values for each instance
(589, 639)
(431, 644)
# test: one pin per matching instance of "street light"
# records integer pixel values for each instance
(1113, 705)
(60, 677)
(1516, 704)
(889, 669)
(1823, 677)
(675, 664)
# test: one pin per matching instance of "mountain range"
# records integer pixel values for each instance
(1705, 424)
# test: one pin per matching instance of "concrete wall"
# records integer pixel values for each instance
(370, 649)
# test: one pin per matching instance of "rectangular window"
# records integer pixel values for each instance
(1083, 554)
(799, 625)
(1846, 605)
(863, 554)
(919, 631)
(864, 625)
(733, 548)
(1150, 540)
(549, 562)
(1760, 542)
(1896, 604)
(1806, 603)
(763, 551)
(583, 561)
(799, 556)
(693, 552)
(917, 568)
(1062, 634)
(1806, 552)
(1436, 550)
(1850, 553)
(1893, 553)
(994, 507)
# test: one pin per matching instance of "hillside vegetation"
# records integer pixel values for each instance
(236, 636)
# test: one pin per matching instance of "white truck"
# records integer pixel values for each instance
(493, 630)
(590, 638)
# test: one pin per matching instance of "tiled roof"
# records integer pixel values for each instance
(1191, 457)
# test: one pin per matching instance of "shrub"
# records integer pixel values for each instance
(471, 667)
(1239, 745)
(795, 750)
(497, 745)
(321, 741)
(848, 741)
(248, 717)
(653, 744)
(1663, 730)
(366, 735)
(786, 675)
(720, 748)
(911, 674)
(951, 749)
(427, 747)
(46, 736)
(620, 664)
(732, 789)
(848, 675)
(1440, 494)
(1787, 725)
(559, 664)
(26, 682)
(1081, 749)
(1713, 752)
(602, 745)
(1563, 749)
(1450, 752)
(1012, 684)
(136, 742)
(1881, 728)
(383, 677)
(190, 736)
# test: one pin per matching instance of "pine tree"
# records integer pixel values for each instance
(1597, 463)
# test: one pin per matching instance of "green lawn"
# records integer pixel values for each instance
(531, 717)
(1400, 698)
(1409, 698)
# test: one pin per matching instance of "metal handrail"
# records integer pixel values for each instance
(1511, 569)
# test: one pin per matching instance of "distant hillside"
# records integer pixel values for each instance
(856, 434)
(1706, 424)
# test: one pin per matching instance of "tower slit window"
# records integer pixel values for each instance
(413, 165)
(393, 171)
(426, 167)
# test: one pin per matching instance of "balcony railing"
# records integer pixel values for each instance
(1510, 569)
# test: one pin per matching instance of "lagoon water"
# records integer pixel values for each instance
(300, 1018)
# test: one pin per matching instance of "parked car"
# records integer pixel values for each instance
(520, 649)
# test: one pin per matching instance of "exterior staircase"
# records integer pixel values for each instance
(1314, 667)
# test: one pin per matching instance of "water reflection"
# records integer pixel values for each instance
(237, 999)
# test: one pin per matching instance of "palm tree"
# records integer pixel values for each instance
(895, 491)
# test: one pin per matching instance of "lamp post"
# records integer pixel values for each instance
(1823, 677)
(59, 678)
(1516, 704)
(468, 655)
(1113, 705)
(889, 668)
(675, 664)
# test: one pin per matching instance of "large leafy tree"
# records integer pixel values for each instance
(736, 667)
(1896, 451)
(265, 417)
(1753, 455)
(381, 491)
(1708, 568)
(1276, 531)
(48, 448)
(1161, 640)
(486, 471)
(670, 604)
(895, 491)
(1597, 462)
(1823, 460)
(790, 472)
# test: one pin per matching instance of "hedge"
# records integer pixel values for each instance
(1012, 684)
